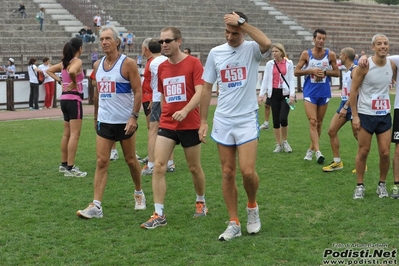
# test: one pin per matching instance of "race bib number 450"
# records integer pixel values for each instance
(174, 89)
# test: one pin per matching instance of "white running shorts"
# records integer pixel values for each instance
(237, 130)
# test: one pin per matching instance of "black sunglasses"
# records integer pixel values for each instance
(166, 41)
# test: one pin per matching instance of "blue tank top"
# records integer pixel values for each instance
(313, 88)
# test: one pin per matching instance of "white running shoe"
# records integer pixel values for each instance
(75, 172)
(382, 191)
(92, 211)
(286, 146)
(253, 224)
(147, 170)
(233, 230)
(278, 148)
(319, 157)
(139, 201)
(114, 155)
(144, 161)
(309, 155)
(359, 192)
(264, 126)
(171, 168)
(62, 169)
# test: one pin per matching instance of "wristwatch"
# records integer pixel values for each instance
(345, 107)
(241, 21)
(135, 115)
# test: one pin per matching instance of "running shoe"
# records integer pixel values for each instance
(62, 169)
(264, 126)
(253, 224)
(395, 192)
(154, 221)
(140, 203)
(171, 168)
(286, 146)
(382, 191)
(354, 170)
(92, 211)
(319, 157)
(333, 166)
(359, 192)
(147, 170)
(309, 155)
(200, 209)
(138, 157)
(114, 155)
(233, 230)
(278, 148)
(144, 161)
(75, 172)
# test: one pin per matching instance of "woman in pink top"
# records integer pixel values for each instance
(71, 103)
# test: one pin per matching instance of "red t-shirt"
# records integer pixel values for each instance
(146, 86)
(177, 84)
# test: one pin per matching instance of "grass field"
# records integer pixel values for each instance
(303, 210)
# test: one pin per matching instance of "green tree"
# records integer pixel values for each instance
(388, 2)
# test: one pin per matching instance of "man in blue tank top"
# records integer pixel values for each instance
(318, 65)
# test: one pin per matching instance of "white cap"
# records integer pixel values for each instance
(11, 60)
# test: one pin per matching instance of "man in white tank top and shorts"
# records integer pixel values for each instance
(370, 104)
(117, 106)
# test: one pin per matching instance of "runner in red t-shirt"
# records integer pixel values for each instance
(180, 81)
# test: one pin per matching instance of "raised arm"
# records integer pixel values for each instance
(256, 34)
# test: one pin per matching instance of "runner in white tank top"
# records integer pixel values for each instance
(371, 112)
(116, 111)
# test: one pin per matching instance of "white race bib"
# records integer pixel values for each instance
(106, 88)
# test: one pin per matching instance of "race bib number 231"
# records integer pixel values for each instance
(106, 88)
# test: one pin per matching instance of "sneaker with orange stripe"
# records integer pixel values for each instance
(200, 209)
(147, 170)
(154, 221)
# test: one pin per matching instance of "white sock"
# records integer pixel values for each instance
(337, 159)
(201, 198)
(150, 164)
(138, 192)
(159, 208)
(266, 122)
(97, 203)
(114, 150)
(170, 162)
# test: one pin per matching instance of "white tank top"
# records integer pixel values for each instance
(374, 90)
(115, 96)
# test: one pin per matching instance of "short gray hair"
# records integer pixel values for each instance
(376, 36)
(114, 31)
(146, 42)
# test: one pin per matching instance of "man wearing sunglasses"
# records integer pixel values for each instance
(180, 81)
(234, 66)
